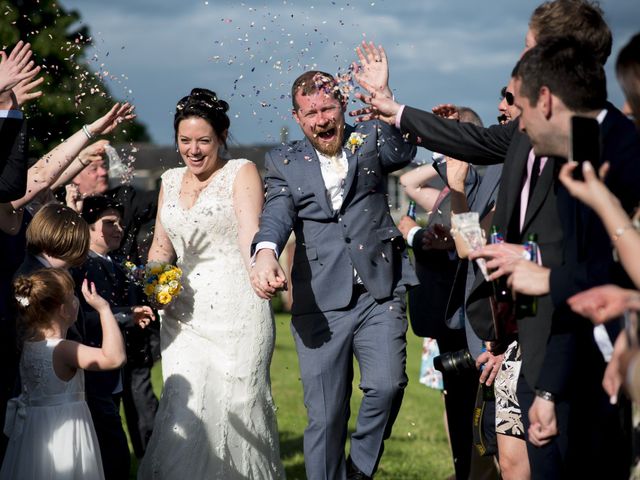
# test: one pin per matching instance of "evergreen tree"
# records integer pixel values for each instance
(72, 94)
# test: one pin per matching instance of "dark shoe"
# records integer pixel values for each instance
(354, 473)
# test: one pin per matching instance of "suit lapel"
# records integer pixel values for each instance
(540, 192)
(512, 180)
(313, 176)
(352, 162)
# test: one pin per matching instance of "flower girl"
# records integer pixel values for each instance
(49, 426)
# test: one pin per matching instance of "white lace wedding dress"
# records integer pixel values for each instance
(216, 418)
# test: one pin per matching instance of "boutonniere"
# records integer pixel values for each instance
(355, 140)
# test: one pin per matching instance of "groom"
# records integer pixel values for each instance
(350, 273)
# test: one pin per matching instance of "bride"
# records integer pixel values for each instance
(216, 417)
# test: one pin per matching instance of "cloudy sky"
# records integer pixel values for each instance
(250, 52)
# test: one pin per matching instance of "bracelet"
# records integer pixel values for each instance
(82, 163)
(86, 131)
(618, 232)
(545, 395)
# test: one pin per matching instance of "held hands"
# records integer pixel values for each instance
(603, 303)
(93, 298)
(113, 118)
(142, 315)
(542, 419)
(373, 70)
(267, 277)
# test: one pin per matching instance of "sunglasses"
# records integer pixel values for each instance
(508, 96)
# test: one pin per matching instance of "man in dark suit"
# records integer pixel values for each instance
(555, 81)
(349, 276)
(104, 389)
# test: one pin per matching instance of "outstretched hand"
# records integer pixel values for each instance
(114, 117)
(142, 315)
(604, 303)
(446, 110)
(23, 91)
(373, 69)
(379, 107)
(92, 297)
(267, 277)
(16, 67)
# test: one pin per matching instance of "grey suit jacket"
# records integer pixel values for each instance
(330, 244)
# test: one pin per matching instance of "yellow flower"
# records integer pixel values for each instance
(174, 287)
(162, 278)
(164, 298)
(149, 289)
(154, 268)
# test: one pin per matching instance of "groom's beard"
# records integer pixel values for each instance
(332, 147)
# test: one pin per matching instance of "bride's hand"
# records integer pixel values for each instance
(267, 277)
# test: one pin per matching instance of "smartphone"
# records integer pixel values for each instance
(585, 143)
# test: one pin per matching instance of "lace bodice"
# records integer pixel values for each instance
(209, 228)
(39, 380)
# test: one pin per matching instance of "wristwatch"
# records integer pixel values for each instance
(545, 395)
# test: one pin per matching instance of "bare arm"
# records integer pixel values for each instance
(46, 170)
(248, 198)
(415, 185)
(85, 157)
(161, 249)
(72, 355)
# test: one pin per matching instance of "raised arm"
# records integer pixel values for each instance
(415, 183)
(248, 198)
(69, 356)
(161, 249)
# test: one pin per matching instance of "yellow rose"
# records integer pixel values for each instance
(163, 298)
(162, 279)
(174, 287)
(149, 288)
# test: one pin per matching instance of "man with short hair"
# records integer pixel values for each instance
(350, 273)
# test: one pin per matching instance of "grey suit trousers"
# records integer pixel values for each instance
(375, 332)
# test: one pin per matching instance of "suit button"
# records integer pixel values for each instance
(347, 239)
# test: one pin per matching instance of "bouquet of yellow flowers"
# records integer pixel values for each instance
(160, 281)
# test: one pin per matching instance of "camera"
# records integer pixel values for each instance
(454, 362)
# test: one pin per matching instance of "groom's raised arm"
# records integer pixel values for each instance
(395, 151)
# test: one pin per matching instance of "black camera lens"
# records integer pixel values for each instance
(454, 362)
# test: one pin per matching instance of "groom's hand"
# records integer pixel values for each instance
(267, 277)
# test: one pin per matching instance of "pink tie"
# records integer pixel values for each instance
(524, 195)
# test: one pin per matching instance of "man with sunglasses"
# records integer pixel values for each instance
(508, 111)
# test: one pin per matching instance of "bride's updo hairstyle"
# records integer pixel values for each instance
(205, 104)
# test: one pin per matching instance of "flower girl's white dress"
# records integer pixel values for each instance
(51, 435)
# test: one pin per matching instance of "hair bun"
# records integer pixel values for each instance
(205, 99)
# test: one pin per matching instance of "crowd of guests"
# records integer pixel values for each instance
(64, 236)
(539, 353)
(552, 342)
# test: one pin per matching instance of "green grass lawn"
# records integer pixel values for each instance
(418, 447)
